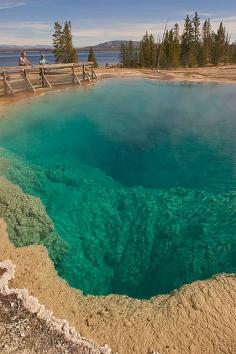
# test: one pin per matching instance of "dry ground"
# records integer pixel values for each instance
(27, 327)
(22, 332)
(221, 74)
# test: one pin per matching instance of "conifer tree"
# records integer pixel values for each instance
(232, 53)
(164, 51)
(129, 55)
(205, 53)
(141, 56)
(123, 54)
(170, 49)
(193, 47)
(170, 53)
(176, 51)
(144, 50)
(69, 52)
(148, 52)
(58, 42)
(136, 58)
(92, 57)
(196, 21)
(219, 44)
(188, 54)
(153, 51)
(64, 50)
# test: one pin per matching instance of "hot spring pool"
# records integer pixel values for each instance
(139, 178)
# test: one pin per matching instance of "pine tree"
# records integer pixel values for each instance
(163, 51)
(92, 57)
(188, 55)
(194, 47)
(122, 55)
(206, 44)
(129, 55)
(136, 58)
(170, 49)
(153, 52)
(196, 22)
(232, 53)
(176, 51)
(141, 56)
(144, 49)
(58, 42)
(219, 45)
(69, 52)
(227, 49)
(148, 51)
(64, 50)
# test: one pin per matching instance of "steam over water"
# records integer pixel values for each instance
(139, 178)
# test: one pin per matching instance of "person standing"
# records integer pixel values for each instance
(42, 60)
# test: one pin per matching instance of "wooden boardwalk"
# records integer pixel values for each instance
(21, 79)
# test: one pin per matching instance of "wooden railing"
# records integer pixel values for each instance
(20, 79)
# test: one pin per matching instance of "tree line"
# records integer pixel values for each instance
(64, 50)
(197, 45)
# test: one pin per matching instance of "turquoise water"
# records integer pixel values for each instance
(139, 178)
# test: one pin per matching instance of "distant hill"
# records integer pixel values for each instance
(106, 46)
(112, 45)
(16, 48)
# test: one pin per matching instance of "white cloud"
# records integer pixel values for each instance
(9, 4)
(32, 26)
(32, 33)
(24, 41)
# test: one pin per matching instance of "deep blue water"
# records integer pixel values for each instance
(139, 178)
(103, 57)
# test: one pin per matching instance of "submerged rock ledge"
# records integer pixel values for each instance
(199, 318)
(27, 220)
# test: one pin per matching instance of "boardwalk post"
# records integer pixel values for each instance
(45, 81)
(4, 82)
(28, 82)
(74, 76)
(94, 75)
(7, 85)
(42, 76)
(83, 72)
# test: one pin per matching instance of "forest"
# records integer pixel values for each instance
(197, 45)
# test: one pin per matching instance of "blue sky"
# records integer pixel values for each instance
(30, 22)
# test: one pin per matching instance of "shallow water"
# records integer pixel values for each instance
(139, 178)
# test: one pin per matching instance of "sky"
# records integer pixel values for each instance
(30, 22)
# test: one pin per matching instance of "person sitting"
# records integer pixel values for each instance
(23, 60)
(42, 60)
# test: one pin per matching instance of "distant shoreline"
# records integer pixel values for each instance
(47, 50)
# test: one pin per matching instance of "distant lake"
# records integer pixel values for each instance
(103, 57)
